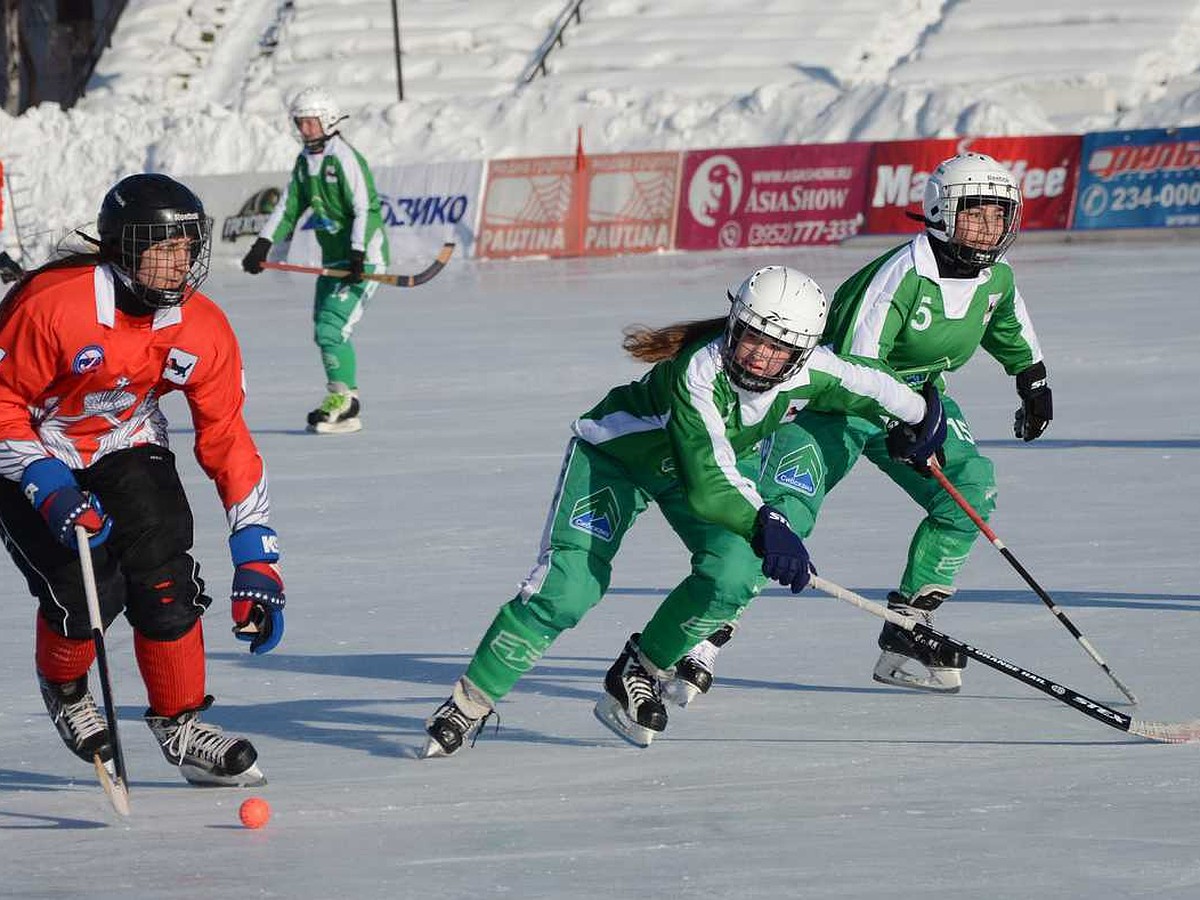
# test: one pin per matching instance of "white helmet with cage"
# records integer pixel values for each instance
(315, 103)
(775, 321)
(963, 182)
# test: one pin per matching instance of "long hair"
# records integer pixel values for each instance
(15, 293)
(653, 345)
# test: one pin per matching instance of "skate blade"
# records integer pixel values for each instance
(434, 750)
(252, 777)
(613, 716)
(935, 680)
(347, 427)
(680, 692)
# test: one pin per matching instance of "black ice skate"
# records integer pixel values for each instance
(694, 673)
(338, 412)
(632, 705)
(202, 752)
(905, 663)
(79, 721)
(459, 718)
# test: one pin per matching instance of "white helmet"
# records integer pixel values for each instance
(782, 308)
(964, 181)
(315, 103)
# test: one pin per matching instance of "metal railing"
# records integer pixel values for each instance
(538, 67)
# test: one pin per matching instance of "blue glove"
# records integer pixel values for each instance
(783, 554)
(52, 489)
(257, 599)
(914, 444)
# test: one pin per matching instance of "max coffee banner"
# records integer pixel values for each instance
(1046, 168)
(1135, 179)
(771, 196)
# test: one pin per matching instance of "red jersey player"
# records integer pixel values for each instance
(89, 345)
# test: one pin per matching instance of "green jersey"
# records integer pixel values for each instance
(899, 310)
(339, 188)
(685, 420)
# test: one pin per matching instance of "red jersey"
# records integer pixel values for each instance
(80, 379)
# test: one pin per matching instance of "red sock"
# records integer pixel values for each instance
(172, 670)
(61, 659)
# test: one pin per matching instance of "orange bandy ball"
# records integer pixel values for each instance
(254, 812)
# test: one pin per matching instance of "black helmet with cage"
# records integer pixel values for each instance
(141, 211)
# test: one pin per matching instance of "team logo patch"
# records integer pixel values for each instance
(514, 651)
(701, 627)
(801, 470)
(597, 514)
(179, 366)
(87, 359)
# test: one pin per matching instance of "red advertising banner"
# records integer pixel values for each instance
(631, 202)
(1046, 167)
(528, 208)
(771, 196)
(574, 205)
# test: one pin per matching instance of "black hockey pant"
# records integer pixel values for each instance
(143, 569)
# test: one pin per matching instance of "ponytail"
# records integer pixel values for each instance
(653, 345)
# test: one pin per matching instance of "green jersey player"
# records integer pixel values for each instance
(333, 180)
(923, 308)
(674, 438)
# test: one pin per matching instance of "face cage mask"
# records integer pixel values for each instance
(313, 145)
(137, 239)
(737, 329)
(970, 196)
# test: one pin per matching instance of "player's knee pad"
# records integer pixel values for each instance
(727, 594)
(164, 603)
(975, 479)
(329, 333)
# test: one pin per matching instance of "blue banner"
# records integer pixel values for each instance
(1139, 179)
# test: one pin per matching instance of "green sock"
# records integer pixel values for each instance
(341, 364)
(512, 645)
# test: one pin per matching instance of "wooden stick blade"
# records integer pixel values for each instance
(114, 787)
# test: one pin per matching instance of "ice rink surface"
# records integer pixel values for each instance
(797, 776)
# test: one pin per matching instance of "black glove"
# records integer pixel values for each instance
(357, 260)
(253, 261)
(914, 444)
(784, 556)
(1037, 404)
(10, 270)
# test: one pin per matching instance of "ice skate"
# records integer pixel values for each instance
(905, 663)
(79, 721)
(632, 705)
(460, 717)
(202, 752)
(338, 412)
(694, 673)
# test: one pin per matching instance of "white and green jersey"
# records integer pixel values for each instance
(686, 420)
(899, 310)
(339, 188)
